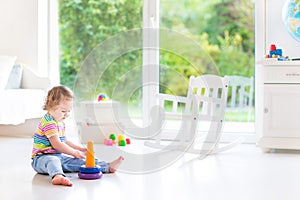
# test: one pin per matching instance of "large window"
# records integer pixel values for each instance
(102, 48)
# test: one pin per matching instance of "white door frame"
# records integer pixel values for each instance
(150, 74)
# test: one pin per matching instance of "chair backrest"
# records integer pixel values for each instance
(210, 94)
(205, 101)
(207, 95)
(240, 92)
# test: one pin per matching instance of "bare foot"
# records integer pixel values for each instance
(61, 180)
(115, 164)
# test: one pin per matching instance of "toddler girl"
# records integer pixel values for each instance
(52, 153)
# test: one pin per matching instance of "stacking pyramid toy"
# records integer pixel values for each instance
(90, 170)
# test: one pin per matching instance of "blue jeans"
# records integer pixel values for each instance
(54, 164)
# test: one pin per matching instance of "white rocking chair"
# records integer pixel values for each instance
(240, 94)
(205, 102)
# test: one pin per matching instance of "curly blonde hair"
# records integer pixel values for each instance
(56, 95)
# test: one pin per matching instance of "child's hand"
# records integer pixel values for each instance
(83, 149)
(78, 154)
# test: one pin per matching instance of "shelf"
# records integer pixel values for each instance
(275, 62)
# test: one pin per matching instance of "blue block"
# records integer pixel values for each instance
(89, 170)
(277, 52)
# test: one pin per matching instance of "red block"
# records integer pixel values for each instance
(127, 141)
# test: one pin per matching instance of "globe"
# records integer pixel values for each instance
(291, 17)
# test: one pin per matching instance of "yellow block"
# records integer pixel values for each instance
(120, 137)
(90, 159)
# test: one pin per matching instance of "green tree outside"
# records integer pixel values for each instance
(223, 28)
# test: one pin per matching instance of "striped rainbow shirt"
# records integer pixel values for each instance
(47, 128)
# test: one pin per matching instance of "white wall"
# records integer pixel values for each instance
(269, 29)
(29, 30)
(19, 30)
(276, 33)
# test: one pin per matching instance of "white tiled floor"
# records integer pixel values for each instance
(242, 173)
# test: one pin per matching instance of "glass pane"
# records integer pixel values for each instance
(222, 32)
(101, 53)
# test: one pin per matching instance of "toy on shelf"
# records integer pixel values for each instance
(102, 97)
(277, 53)
(90, 170)
(274, 52)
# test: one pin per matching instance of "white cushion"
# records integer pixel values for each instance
(6, 65)
(15, 78)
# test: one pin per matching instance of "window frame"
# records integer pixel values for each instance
(49, 55)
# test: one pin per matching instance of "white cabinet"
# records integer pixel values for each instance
(99, 120)
(281, 105)
(277, 93)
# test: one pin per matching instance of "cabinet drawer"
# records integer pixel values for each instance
(284, 74)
